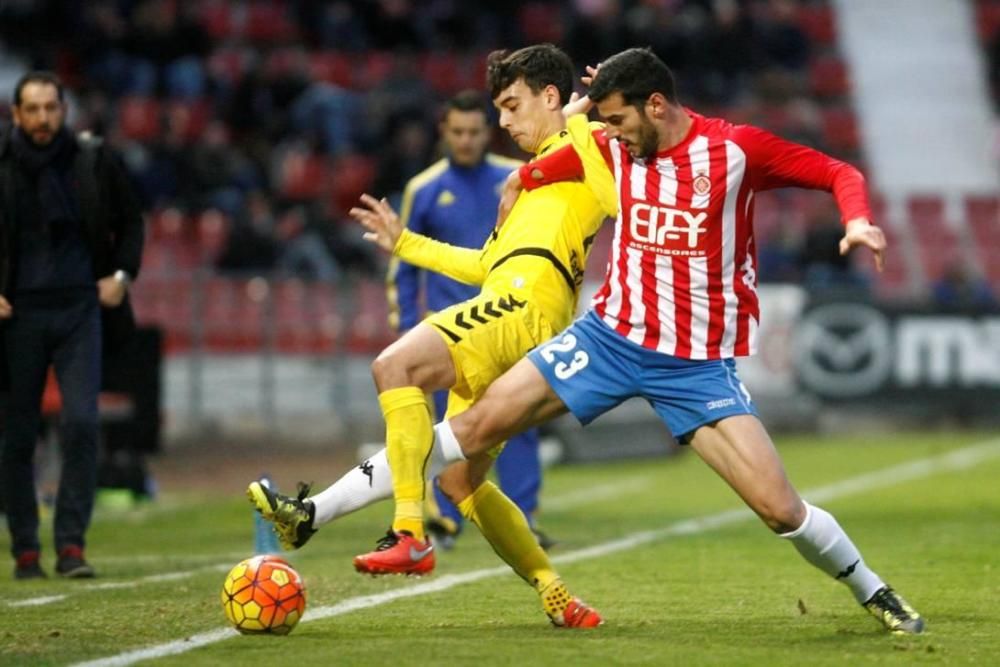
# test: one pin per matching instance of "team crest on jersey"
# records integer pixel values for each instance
(702, 184)
(446, 198)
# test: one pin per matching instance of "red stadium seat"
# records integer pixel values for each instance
(332, 67)
(818, 22)
(828, 77)
(938, 244)
(139, 118)
(840, 130)
(982, 214)
(268, 21)
(352, 176)
(229, 64)
(983, 217)
(442, 72)
(216, 18)
(212, 231)
(369, 330)
(988, 19)
(374, 68)
(303, 176)
(188, 118)
(541, 22)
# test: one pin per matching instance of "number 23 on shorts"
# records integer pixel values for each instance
(562, 369)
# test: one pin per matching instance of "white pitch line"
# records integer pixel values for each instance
(115, 585)
(961, 459)
(34, 602)
(595, 493)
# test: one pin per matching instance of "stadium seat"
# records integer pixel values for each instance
(828, 77)
(188, 118)
(212, 231)
(541, 22)
(368, 331)
(987, 19)
(215, 17)
(139, 118)
(229, 64)
(840, 130)
(983, 216)
(441, 71)
(303, 175)
(373, 68)
(352, 176)
(332, 67)
(818, 22)
(938, 244)
(982, 213)
(268, 21)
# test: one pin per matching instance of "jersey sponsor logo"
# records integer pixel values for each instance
(667, 231)
(446, 198)
(721, 403)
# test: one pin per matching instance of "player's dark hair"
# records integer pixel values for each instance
(636, 74)
(466, 100)
(38, 76)
(540, 65)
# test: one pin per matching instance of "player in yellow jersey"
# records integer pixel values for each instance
(530, 271)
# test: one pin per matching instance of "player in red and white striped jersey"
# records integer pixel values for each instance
(679, 301)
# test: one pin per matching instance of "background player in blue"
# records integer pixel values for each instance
(455, 200)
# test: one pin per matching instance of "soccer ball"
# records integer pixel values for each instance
(263, 595)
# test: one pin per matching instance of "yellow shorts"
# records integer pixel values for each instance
(487, 335)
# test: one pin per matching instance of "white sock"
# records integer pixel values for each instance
(446, 443)
(361, 486)
(822, 542)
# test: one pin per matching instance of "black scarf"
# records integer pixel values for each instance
(48, 167)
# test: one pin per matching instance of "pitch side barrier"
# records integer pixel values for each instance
(942, 364)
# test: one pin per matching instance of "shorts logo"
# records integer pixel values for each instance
(721, 403)
(482, 314)
(702, 184)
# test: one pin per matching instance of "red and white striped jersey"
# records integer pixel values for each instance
(682, 276)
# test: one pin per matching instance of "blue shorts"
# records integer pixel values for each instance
(592, 369)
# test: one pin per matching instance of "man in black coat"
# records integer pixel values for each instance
(71, 235)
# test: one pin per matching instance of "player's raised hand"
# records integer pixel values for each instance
(860, 232)
(382, 223)
(577, 104)
(591, 73)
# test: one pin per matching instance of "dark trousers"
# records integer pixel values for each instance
(66, 333)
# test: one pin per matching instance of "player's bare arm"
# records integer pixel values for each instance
(860, 232)
(381, 221)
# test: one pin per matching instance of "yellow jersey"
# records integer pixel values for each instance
(539, 252)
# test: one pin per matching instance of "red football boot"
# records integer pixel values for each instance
(577, 614)
(397, 553)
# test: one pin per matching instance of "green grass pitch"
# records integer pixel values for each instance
(729, 594)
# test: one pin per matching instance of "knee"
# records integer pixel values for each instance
(783, 515)
(478, 431)
(388, 370)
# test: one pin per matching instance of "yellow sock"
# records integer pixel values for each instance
(409, 435)
(505, 528)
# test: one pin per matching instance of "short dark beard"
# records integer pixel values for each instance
(649, 138)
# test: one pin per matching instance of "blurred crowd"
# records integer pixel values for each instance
(276, 114)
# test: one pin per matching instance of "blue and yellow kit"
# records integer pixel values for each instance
(450, 203)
